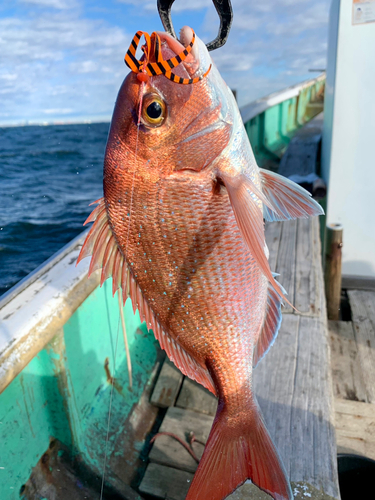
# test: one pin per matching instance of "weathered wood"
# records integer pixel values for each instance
(362, 304)
(295, 254)
(308, 265)
(332, 271)
(167, 451)
(347, 374)
(294, 389)
(358, 282)
(195, 397)
(301, 491)
(273, 232)
(165, 482)
(172, 484)
(286, 260)
(355, 427)
(167, 385)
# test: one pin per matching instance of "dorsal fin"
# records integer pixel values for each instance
(101, 244)
(271, 325)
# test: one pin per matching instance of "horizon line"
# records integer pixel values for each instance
(44, 123)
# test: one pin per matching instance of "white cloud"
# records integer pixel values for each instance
(271, 45)
(59, 58)
(84, 67)
(54, 64)
(58, 111)
(54, 4)
(178, 6)
(9, 77)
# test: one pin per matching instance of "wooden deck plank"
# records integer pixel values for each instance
(355, 427)
(172, 484)
(194, 396)
(163, 482)
(307, 292)
(273, 232)
(167, 451)
(293, 385)
(286, 260)
(167, 386)
(362, 304)
(348, 382)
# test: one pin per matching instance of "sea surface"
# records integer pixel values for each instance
(48, 177)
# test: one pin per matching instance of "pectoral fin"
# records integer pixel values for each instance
(249, 218)
(285, 200)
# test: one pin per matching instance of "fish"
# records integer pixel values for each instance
(181, 231)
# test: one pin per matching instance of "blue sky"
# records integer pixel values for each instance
(62, 60)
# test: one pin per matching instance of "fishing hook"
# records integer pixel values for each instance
(223, 8)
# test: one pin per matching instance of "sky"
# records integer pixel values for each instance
(63, 60)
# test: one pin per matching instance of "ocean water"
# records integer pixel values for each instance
(48, 177)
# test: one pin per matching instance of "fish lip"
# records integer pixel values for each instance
(192, 65)
(172, 42)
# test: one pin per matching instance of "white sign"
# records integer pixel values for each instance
(363, 11)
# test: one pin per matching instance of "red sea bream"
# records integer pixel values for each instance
(181, 230)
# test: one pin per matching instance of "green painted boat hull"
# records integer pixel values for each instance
(65, 392)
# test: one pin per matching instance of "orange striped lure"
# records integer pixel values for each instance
(146, 68)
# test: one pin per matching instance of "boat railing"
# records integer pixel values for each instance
(271, 121)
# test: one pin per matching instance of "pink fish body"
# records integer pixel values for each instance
(180, 229)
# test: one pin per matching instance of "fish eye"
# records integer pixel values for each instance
(153, 110)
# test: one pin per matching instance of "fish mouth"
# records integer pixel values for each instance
(172, 42)
(191, 63)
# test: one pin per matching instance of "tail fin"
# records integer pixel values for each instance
(235, 453)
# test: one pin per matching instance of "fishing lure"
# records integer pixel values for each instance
(152, 49)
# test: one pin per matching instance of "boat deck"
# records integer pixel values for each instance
(293, 386)
(353, 371)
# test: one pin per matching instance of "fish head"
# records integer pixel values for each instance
(160, 127)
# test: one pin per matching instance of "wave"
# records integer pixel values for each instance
(48, 177)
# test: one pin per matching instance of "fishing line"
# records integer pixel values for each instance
(126, 253)
(109, 412)
(127, 350)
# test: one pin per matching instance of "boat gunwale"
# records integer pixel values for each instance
(41, 269)
(40, 307)
(255, 108)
